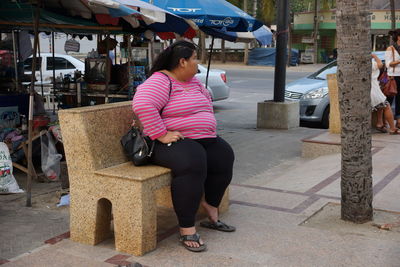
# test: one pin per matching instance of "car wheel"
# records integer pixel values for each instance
(325, 118)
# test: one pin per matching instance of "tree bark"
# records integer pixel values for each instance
(354, 79)
(203, 48)
(223, 54)
(393, 14)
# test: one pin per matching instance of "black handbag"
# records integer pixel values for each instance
(137, 147)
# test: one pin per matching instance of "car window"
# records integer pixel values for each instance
(28, 64)
(321, 74)
(60, 63)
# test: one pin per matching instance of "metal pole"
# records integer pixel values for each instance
(289, 58)
(31, 102)
(15, 60)
(40, 69)
(54, 72)
(281, 44)
(209, 59)
(108, 69)
(316, 26)
(246, 45)
(115, 51)
(129, 54)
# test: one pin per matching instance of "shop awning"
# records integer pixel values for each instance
(14, 15)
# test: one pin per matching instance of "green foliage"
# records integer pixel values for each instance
(300, 5)
(268, 11)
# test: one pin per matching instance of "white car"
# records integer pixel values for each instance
(64, 64)
(217, 86)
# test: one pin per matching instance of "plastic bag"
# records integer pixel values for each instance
(8, 184)
(50, 158)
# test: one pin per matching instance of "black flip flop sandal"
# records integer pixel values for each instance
(218, 225)
(192, 238)
(381, 129)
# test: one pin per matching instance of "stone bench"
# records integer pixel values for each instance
(104, 182)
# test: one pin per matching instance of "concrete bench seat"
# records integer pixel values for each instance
(104, 182)
(129, 171)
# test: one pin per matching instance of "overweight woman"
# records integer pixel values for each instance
(176, 111)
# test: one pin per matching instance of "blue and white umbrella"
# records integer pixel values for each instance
(141, 14)
(211, 13)
(262, 35)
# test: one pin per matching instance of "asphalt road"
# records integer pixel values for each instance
(249, 86)
(256, 150)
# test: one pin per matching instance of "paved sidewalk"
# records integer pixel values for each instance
(283, 218)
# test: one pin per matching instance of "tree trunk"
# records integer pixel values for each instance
(393, 14)
(223, 54)
(203, 48)
(354, 80)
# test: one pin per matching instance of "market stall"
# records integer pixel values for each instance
(102, 81)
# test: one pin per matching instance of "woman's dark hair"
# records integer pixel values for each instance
(395, 34)
(170, 57)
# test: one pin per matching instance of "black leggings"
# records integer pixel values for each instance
(198, 166)
(396, 100)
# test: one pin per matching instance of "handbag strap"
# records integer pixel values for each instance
(170, 82)
(170, 89)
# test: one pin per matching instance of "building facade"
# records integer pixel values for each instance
(303, 29)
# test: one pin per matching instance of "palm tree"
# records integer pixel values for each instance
(354, 79)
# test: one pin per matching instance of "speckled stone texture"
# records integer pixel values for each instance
(334, 114)
(102, 179)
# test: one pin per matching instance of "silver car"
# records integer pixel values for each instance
(217, 86)
(312, 92)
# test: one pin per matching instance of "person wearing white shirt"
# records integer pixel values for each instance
(392, 61)
(379, 102)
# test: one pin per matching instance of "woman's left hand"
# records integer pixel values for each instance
(170, 137)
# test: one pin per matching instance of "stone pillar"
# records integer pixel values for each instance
(334, 114)
(278, 115)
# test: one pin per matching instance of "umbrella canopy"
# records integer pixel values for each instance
(211, 13)
(138, 13)
(132, 15)
(262, 35)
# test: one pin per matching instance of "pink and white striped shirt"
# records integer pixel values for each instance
(187, 109)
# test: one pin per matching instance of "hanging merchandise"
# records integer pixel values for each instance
(24, 45)
(8, 184)
(102, 47)
(71, 45)
(50, 157)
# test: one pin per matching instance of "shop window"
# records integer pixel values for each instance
(28, 64)
(60, 63)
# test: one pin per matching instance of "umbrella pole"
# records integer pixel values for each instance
(40, 69)
(209, 59)
(108, 68)
(54, 72)
(129, 54)
(15, 60)
(31, 102)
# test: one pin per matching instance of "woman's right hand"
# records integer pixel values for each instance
(170, 137)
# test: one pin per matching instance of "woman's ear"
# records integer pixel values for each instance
(182, 62)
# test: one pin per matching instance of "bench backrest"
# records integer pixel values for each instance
(91, 135)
